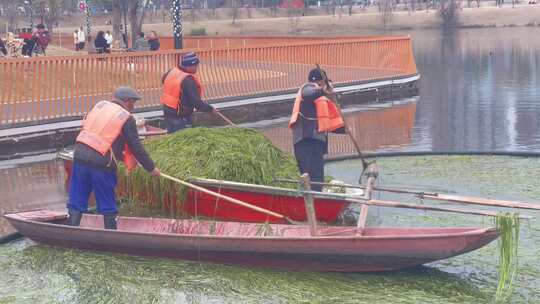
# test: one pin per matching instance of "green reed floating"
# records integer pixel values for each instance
(508, 226)
(234, 154)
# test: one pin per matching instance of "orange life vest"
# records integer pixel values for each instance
(172, 89)
(102, 126)
(328, 115)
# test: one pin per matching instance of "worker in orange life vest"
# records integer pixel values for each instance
(109, 134)
(182, 92)
(313, 116)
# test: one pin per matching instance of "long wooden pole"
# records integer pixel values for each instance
(227, 198)
(439, 196)
(481, 201)
(225, 118)
(392, 204)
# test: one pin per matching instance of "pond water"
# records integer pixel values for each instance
(480, 89)
(73, 276)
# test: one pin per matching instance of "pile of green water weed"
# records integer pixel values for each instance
(508, 226)
(233, 154)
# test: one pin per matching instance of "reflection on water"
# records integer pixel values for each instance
(373, 130)
(28, 187)
(480, 89)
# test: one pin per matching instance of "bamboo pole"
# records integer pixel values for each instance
(373, 172)
(392, 204)
(227, 198)
(376, 188)
(309, 204)
(218, 112)
(481, 201)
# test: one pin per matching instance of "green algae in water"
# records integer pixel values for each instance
(234, 154)
(508, 226)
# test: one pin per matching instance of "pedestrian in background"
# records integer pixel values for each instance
(81, 39)
(101, 44)
(153, 41)
(109, 38)
(76, 40)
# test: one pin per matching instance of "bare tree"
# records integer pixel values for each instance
(137, 11)
(273, 8)
(10, 11)
(448, 11)
(48, 11)
(249, 9)
(117, 18)
(234, 10)
(332, 7)
(294, 18)
(386, 8)
(194, 11)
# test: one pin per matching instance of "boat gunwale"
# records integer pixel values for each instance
(473, 231)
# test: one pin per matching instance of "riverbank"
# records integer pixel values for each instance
(361, 22)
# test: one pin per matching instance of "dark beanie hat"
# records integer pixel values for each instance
(315, 75)
(189, 59)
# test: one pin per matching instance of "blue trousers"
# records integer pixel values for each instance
(309, 154)
(176, 124)
(84, 180)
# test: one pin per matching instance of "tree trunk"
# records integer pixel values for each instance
(133, 20)
(117, 20)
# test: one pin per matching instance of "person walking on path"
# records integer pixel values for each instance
(109, 134)
(81, 39)
(313, 117)
(182, 92)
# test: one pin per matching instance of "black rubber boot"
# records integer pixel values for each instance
(109, 221)
(74, 217)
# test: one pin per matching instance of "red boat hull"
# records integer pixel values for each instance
(293, 207)
(287, 247)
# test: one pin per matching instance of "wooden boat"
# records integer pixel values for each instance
(277, 246)
(287, 202)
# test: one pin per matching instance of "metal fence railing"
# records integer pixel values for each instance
(45, 88)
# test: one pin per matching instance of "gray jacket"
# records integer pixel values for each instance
(88, 156)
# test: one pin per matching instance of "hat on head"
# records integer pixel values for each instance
(315, 75)
(126, 93)
(189, 59)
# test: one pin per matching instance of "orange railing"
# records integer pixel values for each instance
(45, 88)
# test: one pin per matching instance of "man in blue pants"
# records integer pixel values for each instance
(109, 134)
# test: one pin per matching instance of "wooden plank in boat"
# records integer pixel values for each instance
(42, 215)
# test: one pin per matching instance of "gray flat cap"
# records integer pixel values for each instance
(126, 93)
